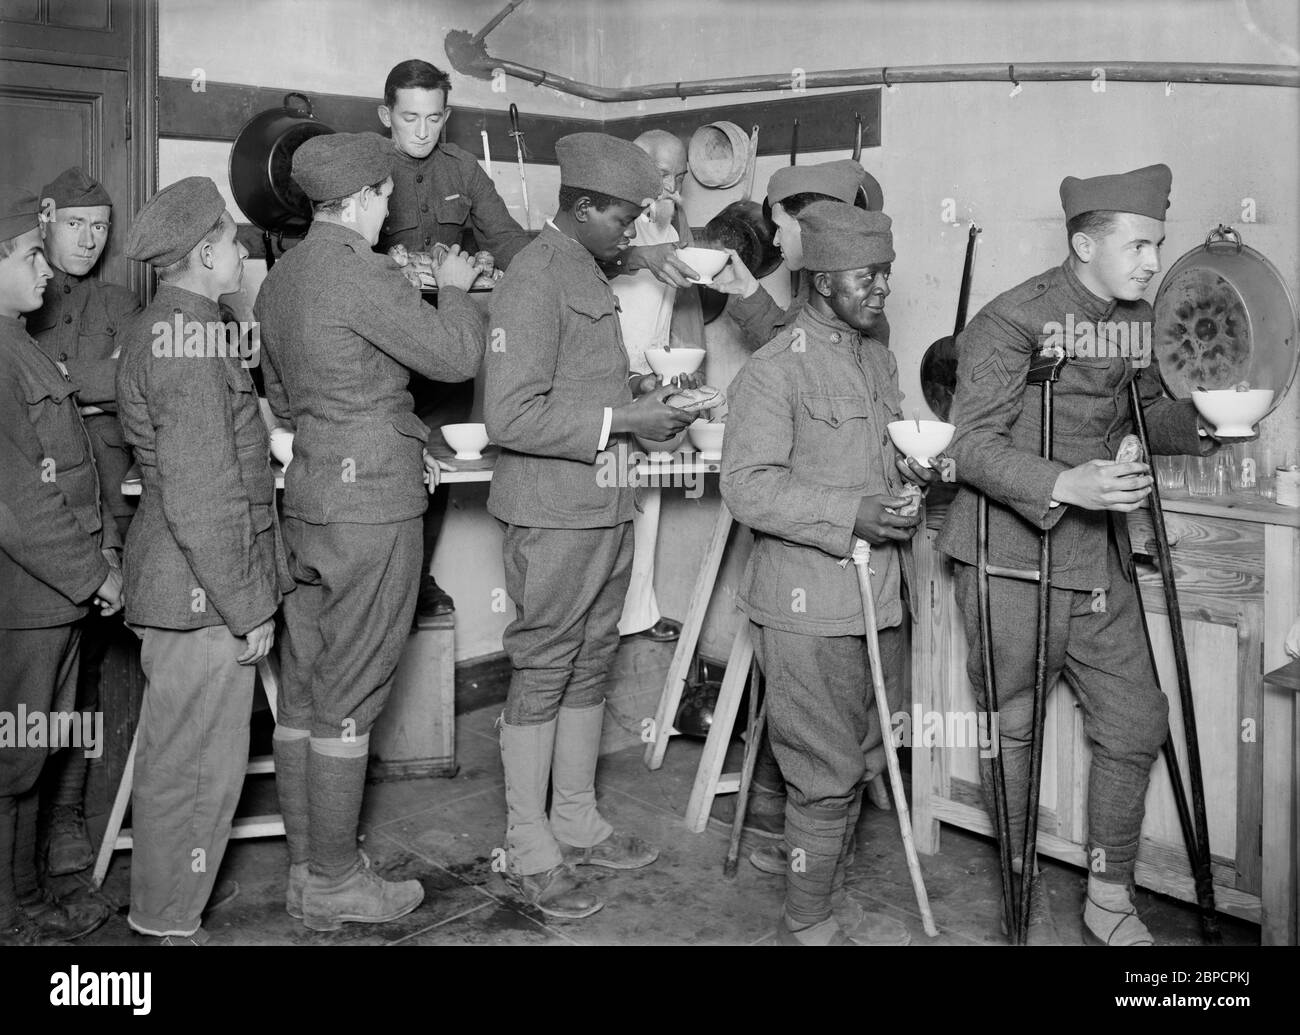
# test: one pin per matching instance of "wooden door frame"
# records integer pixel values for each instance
(142, 99)
(144, 120)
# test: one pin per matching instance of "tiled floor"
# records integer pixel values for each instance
(443, 832)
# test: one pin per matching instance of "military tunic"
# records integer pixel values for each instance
(204, 566)
(52, 529)
(556, 364)
(806, 441)
(207, 511)
(81, 323)
(1095, 635)
(342, 330)
(437, 199)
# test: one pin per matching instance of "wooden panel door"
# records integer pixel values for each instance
(96, 29)
(55, 116)
(77, 85)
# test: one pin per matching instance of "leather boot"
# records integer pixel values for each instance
(63, 921)
(361, 897)
(1042, 926)
(534, 864)
(68, 848)
(341, 887)
(764, 810)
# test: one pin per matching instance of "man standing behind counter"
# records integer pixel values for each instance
(651, 315)
(204, 565)
(557, 395)
(440, 196)
(80, 325)
(342, 330)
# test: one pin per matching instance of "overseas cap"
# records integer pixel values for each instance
(72, 188)
(20, 211)
(336, 165)
(1143, 191)
(829, 178)
(838, 236)
(607, 165)
(174, 220)
(869, 184)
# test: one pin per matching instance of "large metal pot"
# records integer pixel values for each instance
(260, 164)
(1224, 315)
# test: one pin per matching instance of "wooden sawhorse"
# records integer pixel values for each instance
(710, 780)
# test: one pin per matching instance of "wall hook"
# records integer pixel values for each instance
(1015, 83)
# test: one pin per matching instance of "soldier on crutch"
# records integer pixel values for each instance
(1094, 638)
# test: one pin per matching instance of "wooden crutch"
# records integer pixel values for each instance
(861, 556)
(1196, 831)
(753, 736)
(1044, 370)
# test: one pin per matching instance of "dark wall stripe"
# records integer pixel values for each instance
(222, 109)
(826, 121)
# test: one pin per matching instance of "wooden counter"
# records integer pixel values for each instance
(650, 472)
(1237, 568)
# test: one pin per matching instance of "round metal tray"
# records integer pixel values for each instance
(1224, 315)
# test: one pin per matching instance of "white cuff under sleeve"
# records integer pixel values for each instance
(604, 428)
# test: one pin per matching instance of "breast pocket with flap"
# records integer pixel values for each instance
(832, 440)
(590, 348)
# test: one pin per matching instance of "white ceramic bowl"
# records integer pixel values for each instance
(923, 445)
(705, 261)
(467, 439)
(1233, 414)
(282, 445)
(706, 436)
(668, 363)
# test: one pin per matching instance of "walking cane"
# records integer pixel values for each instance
(1197, 838)
(861, 555)
(753, 735)
(1044, 370)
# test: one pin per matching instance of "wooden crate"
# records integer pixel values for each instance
(415, 736)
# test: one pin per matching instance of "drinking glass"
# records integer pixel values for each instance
(1246, 476)
(1200, 475)
(1225, 473)
(1171, 471)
